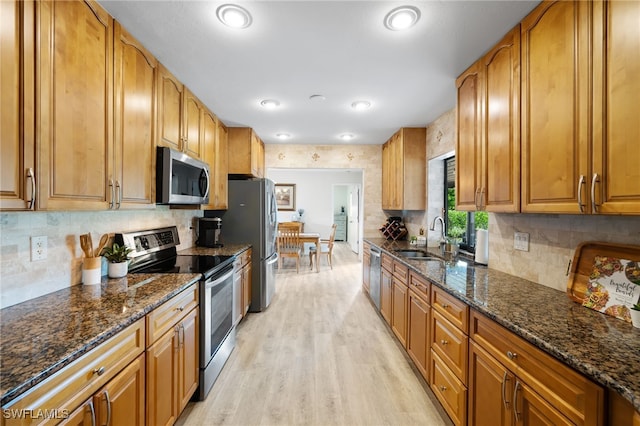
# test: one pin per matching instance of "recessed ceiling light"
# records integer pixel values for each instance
(270, 103)
(360, 105)
(283, 136)
(234, 16)
(401, 18)
(346, 136)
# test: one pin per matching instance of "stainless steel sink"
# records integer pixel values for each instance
(416, 254)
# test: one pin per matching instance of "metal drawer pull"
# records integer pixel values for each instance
(93, 413)
(32, 177)
(106, 396)
(99, 371)
(181, 308)
(512, 355)
(113, 194)
(445, 306)
(444, 342)
(594, 206)
(443, 388)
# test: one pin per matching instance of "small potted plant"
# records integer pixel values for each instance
(118, 257)
(635, 314)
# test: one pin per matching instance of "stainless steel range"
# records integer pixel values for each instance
(155, 252)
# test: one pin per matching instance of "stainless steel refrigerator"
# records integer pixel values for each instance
(252, 218)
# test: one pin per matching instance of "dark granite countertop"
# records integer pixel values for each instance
(603, 348)
(41, 336)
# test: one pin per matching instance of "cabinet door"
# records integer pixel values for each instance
(555, 107)
(501, 126)
(386, 175)
(237, 295)
(616, 156)
(221, 167)
(532, 410)
(255, 154)
(385, 295)
(193, 111)
(469, 143)
(17, 143)
(246, 287)
(74, 105)
(162, 380)
(490, 390)
(399, 299)
(418, 334)
(84, 415)
(121, 401)
(397, 176)
(135, 122)
(169, 110)
(366, 268)
(188, 366)
(209, 153)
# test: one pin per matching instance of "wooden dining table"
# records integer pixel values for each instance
(311, 237)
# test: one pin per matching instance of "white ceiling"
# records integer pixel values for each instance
(339, 49)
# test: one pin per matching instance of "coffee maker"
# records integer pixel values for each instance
(209, 232)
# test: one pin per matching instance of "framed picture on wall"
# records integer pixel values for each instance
(286, 196)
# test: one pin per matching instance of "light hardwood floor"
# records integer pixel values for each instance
(319, 355)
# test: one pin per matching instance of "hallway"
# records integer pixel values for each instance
(319, 355)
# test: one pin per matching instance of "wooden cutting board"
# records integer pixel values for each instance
(583, 260)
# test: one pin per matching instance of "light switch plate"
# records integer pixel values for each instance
(521, 241)
(38, 248)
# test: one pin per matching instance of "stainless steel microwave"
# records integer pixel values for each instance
(181, 179)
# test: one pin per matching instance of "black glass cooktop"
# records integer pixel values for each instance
(206, 265)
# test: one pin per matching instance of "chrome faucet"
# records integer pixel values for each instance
(433, 226)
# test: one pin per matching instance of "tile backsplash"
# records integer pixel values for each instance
(21, 279)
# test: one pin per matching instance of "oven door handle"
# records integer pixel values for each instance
(218, 280)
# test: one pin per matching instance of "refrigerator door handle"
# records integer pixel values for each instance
(274, 260)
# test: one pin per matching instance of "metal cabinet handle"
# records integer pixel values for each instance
(182, 340)
(475, 198)
(442, 388)
(580, 183)
(93, 413)
(482, 201)
(512, 355)
(594, 206)
(445, 306)
(505, 379)
(99, 371)
(113, 194)
(106, 396)
(176, 331)
(118, 195)
(181, 308)
(31, 175)
(515, 401)
(444, 342)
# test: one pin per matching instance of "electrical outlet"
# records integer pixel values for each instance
(521, 241)
(38, 248)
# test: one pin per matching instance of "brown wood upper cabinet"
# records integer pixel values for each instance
(214, 142)
(17, 139)
(74, 105)
(180, 115)
(579, 121)
(246, 152)
(95, 147)
(488, 143)
(404, 170)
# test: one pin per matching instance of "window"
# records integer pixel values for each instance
(460, 224)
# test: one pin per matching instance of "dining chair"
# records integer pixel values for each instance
(326, 247)
(289, 243)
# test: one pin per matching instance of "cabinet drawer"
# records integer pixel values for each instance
(170, 312)
(451, 393)
(450, 344)
(578, 398)
(456, 311)
(387, 262)
(420, 286)
(400, 271)
(70, 387)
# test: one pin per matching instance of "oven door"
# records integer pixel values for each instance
(216, 304)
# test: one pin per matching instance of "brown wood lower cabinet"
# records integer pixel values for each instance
(418, 341)
(535, 389)
(172, 371)
(399, 301)
(449, 390)
(385, 294)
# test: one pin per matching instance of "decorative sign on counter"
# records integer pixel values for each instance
(614, 286)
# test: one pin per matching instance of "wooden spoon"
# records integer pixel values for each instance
(90, 244)
(101, 245)
(84, 245)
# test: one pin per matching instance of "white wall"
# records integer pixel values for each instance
(315, 194)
